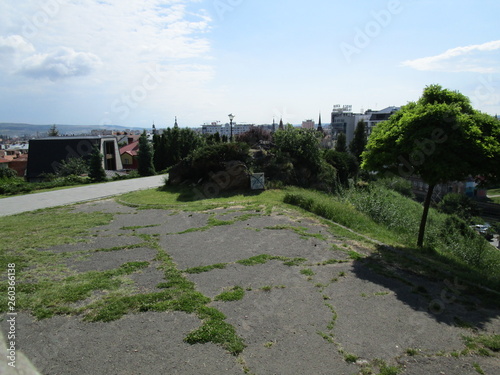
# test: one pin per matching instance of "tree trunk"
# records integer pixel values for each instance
(427, 204)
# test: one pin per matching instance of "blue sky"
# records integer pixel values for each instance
(134, 62)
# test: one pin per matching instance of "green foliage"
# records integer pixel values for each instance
(7, 173)
(96, 170)
(73, 166)
(298, 160)
(254, 136)
(460, 205)
(429, 138)
(301, 146)
(173, 146)
(389, 217)
(234, 294)
(344, 163)
(17, 185)
(358, 143)
(145, 156)
(209, 159)
(398, 184)
(341, 144)
(53, 131)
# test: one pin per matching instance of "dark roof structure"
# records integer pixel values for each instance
(46, 154)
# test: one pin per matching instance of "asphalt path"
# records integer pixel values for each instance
(32, 202)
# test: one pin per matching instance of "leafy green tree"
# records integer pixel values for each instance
(301, 145)
(145, 157)
(73, 166)
(440, 138)
(96, 170)
(341, 144)
(345, 164)
(358, 143)
(189, 141)
(254, 136)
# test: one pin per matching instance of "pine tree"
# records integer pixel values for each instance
(358, 143)
(145, 156)
(96, 171)
(341, 145)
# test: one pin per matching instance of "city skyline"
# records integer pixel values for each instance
(134, 63)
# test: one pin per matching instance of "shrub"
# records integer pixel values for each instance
(346, 165)
(6, 173)
(460, 205)
(398, 184)
(73, 166)
(209, 159)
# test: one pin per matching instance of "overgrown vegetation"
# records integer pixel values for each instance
(386, 215)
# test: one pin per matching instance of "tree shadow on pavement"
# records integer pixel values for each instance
(424, 285)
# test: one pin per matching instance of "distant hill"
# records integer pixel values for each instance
(14, 129)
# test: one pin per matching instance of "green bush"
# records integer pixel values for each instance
(398, 184)
(73, 166)
(204, 161)
(387, 216)
(6, 173)
(460, 205)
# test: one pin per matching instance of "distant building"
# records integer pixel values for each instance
(46, 155)
(129, 155)
(308, 124)
(345, 121)
(216, 127)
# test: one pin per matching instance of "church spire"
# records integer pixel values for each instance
(175, 124)
(281, 127)
(320, 128)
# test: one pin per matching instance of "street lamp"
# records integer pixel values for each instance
(231, 117)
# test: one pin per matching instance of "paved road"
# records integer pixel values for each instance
(31, 202)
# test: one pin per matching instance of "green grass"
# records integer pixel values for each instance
(494, 191)
(234, 294)
(307, 272)
(203, 269)
(187, 199)
(45, 286)
(388, 217)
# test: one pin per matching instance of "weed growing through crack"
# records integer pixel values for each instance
(478, 368)
(203, 269)
(412, 352)
(307, 272)
(234, 294)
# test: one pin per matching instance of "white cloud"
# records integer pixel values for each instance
(15, 44)
(59, 64)
(480, 58)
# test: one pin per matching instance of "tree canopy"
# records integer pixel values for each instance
(439, 138)
(358, 143)
(145, 155)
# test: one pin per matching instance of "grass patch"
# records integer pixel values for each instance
(355, 255)
(391, 218)
(478, 368)
(203, 269)
(219, 332)
(307, 272)
(483, 344)
(301, 231)
(234, 294)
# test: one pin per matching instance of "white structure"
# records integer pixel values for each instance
(225, 129)
(345, 121)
